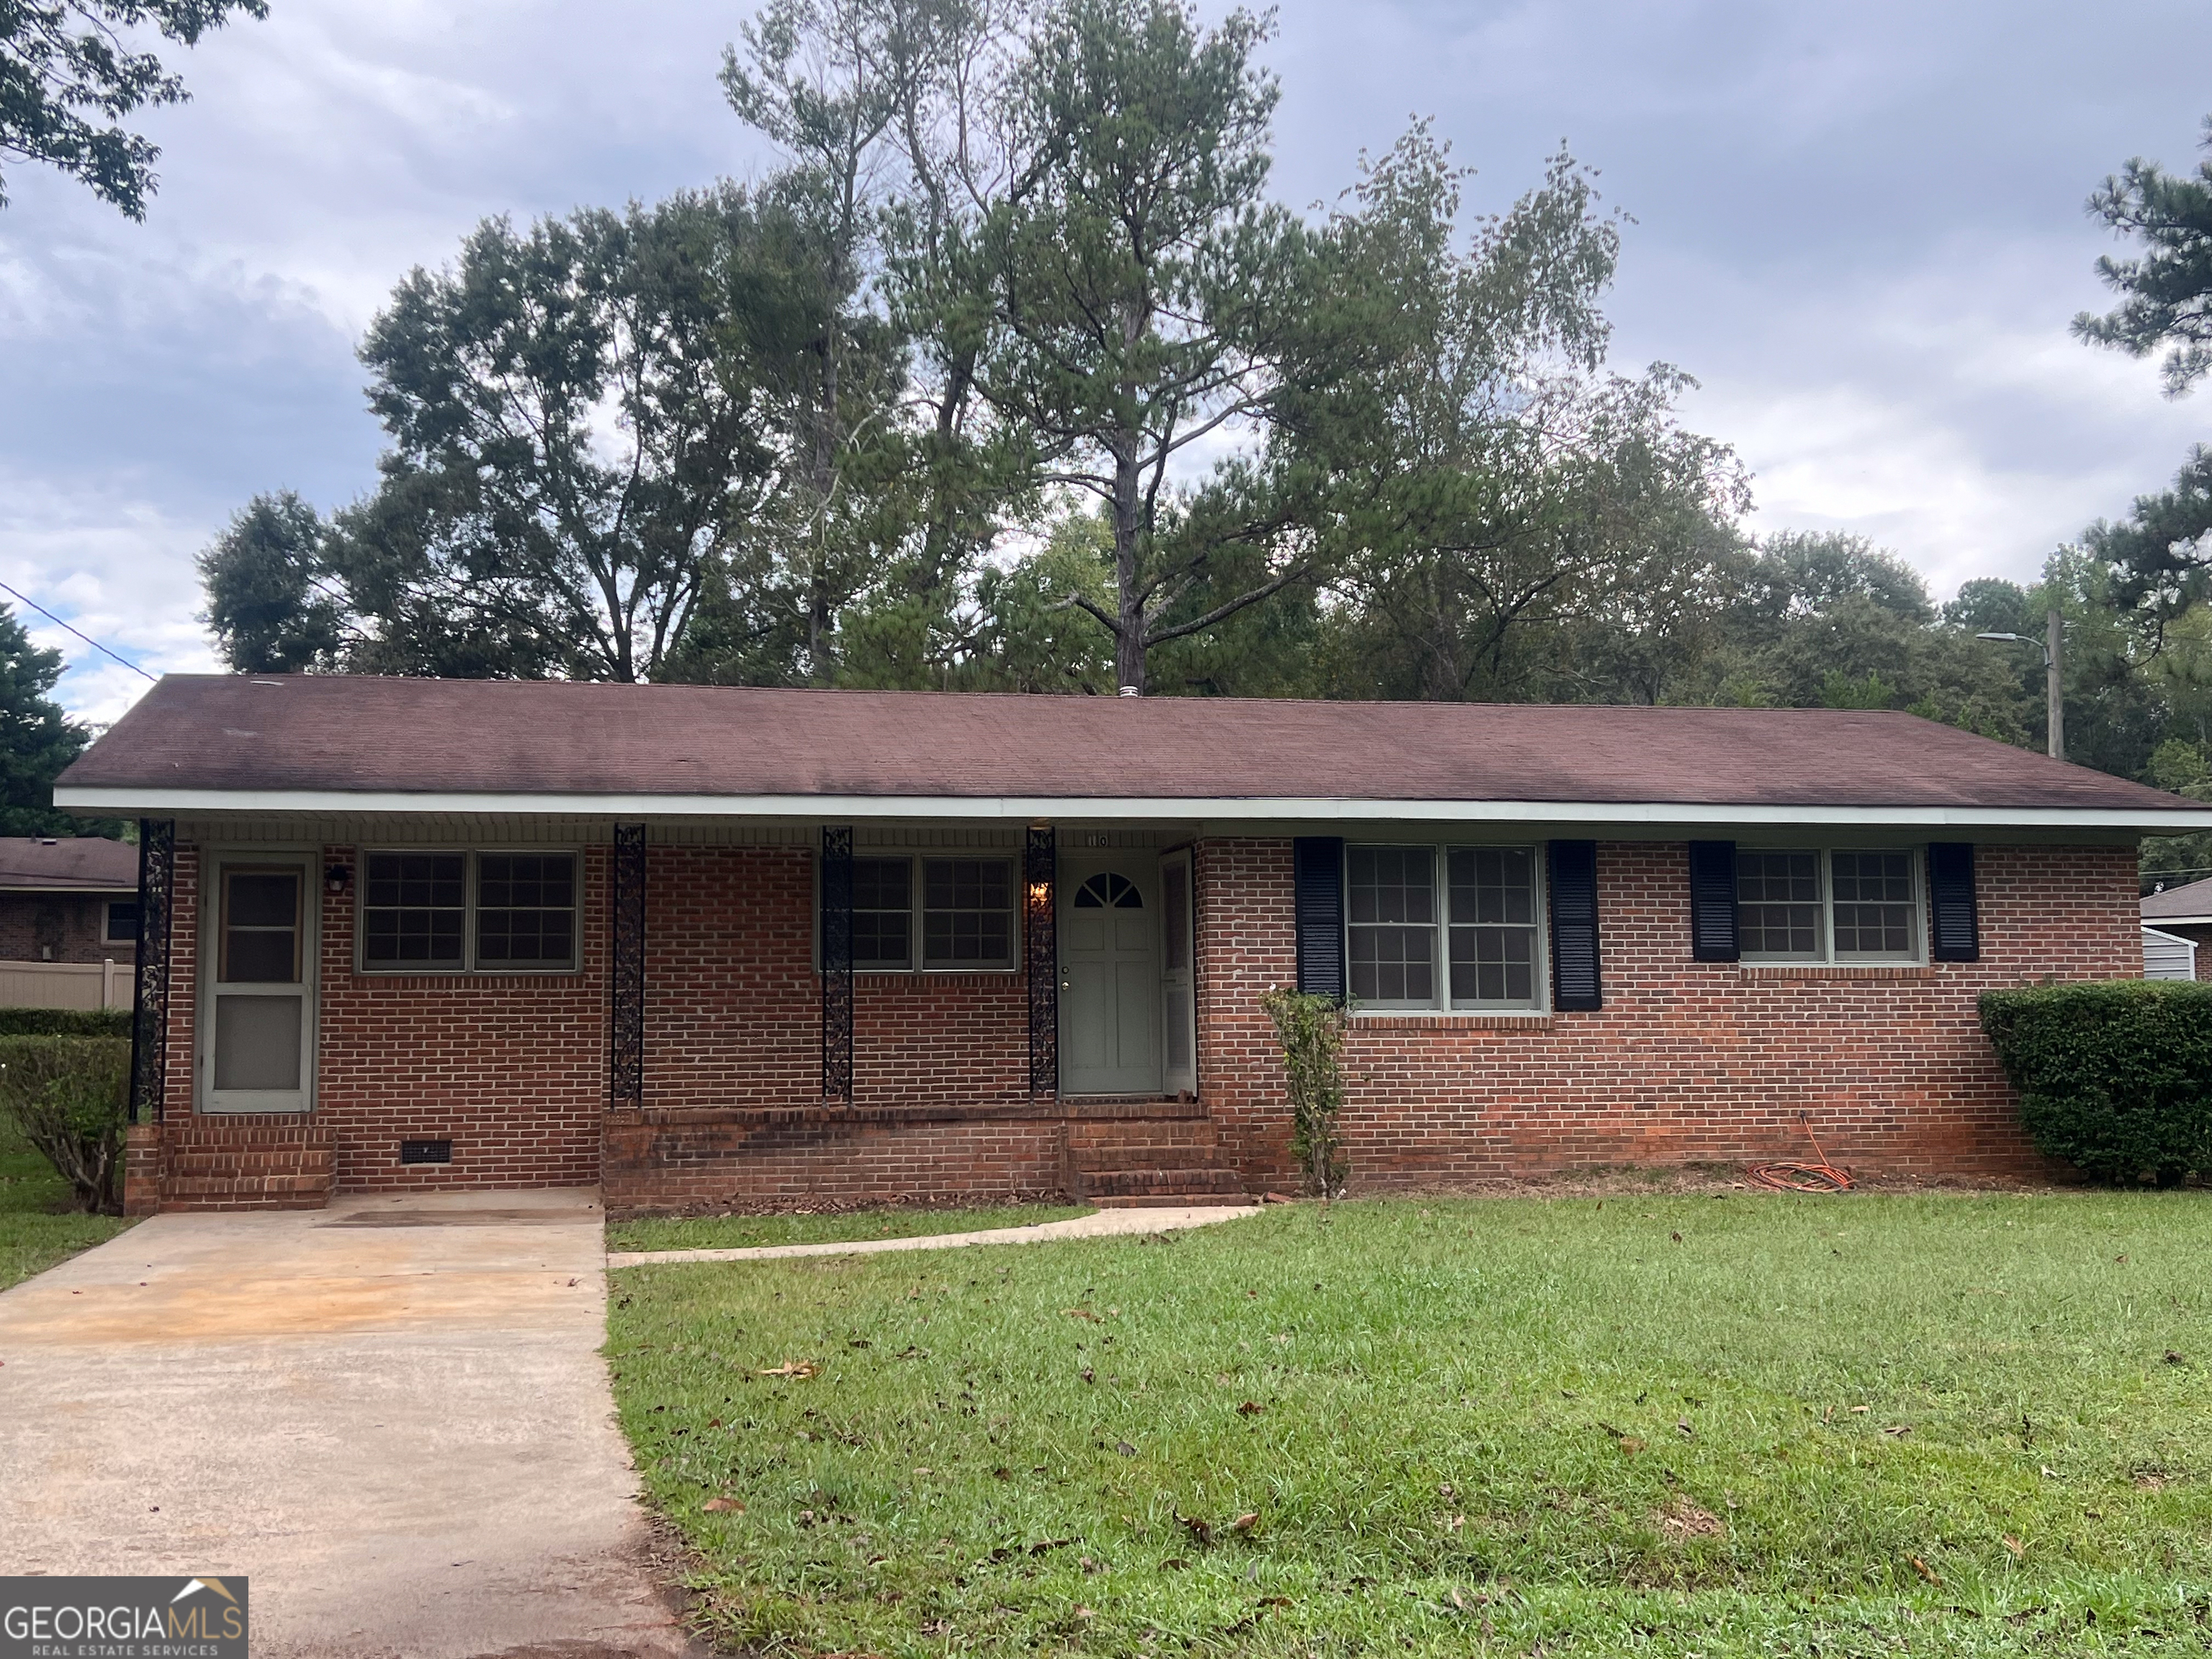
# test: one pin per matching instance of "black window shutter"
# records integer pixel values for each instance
(1956, 928)
(1713, 902)
(1317, 864)
(1575, 985)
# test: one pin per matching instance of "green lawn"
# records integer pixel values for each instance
(1745, 1425)
(35, 1232)
(735, 1232)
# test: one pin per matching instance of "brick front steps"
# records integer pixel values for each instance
(1154, 1152)
(229, 1163)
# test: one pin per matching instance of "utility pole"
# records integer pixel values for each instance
(2054, 636)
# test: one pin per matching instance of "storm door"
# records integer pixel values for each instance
(1109, 998)
(257, 1052)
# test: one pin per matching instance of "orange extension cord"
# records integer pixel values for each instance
(1818, 1177)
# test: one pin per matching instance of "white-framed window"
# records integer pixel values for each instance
(928, 913)
(445, 911)
(1443, 927)
(118, 921)
(1839, 905)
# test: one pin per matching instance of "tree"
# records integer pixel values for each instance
(269, 598)
(582, 444)
(1495, 518)
(37, 740)
(66, 67)
(2167, 301)
(1140, 290)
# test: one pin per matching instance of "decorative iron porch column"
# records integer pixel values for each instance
(149, 990)
(1040, 866)
(837, 962)
(626, 972)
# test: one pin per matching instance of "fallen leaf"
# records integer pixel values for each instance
(1250, 1409)
(1173, 1564)
(799, 1368)
(2121, 1257)
(2013, 1544)
(1900, 1429)
(1925, 1570)
(1860, 1411)
(858, 1342)
(1274, 1601)
(925, 1471)
(1631, 1444)
(2174, 1358)
(1245, 1521)
(721, 1505)
(1683, 1519)
(1002, 1473)
(1125, 1449)
(1079, 1313)
(1082, 1612)
(2049, 1473)
(1201, 1529)
(1683, 1423)
(1677, 1237)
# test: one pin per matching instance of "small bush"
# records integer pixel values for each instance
(68, 1096)
(1311, 1031)
(65, 1022)
(2114, 1076)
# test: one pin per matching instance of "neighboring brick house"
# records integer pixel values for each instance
(2181, 913)
(69, 905)
(712, 946)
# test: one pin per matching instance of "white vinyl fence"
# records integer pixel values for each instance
(65, 984)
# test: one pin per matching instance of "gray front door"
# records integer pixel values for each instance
(1110, 999)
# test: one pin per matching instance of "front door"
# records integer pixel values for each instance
(1109, 933)
(259, 1011)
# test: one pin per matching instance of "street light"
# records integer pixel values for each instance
(2052, 644)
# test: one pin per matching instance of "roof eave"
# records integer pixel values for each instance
(1319, 809)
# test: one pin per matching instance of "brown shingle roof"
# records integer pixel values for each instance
(332, 733)
(2191, 899)
(83, 864)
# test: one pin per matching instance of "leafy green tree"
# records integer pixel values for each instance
(271, 604)
(1497, 518)
(583, 443)
(70, 74)
(1142, 290)
(37, 740)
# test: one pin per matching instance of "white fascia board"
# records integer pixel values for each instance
(164, 803)
(2176, 921)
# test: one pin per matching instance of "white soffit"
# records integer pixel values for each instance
(164, 803)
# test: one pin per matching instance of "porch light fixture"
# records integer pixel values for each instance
(337, 880)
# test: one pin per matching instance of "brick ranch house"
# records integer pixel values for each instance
(713, 947)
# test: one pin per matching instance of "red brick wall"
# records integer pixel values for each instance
(1686, 1061)
(733, 1007)
(511, 1067)
(67, 924)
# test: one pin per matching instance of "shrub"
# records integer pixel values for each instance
(1311, 1031)
(2114, 1076)
(68, 1096)
(65, 1022)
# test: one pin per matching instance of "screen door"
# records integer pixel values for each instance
(259, 1002)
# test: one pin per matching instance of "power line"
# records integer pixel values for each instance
(80, 633)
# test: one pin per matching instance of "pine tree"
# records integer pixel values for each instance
(37, 740)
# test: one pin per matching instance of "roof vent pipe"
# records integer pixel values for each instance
(1132, 692)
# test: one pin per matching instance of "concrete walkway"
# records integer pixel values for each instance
(1102, 1224)
(391, 1416)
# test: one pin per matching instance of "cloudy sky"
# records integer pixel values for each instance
(1859, 226)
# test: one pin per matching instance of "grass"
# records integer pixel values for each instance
(734, 1232)
(36, 1228)
(1663, 1425)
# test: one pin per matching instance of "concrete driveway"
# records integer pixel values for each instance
(391, 1416)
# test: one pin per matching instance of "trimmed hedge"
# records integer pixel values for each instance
(2114, 1076)
(65, 1022)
